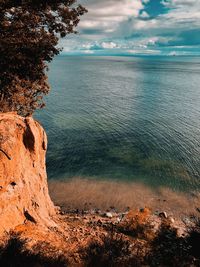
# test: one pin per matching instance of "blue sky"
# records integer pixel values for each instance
(137, 27)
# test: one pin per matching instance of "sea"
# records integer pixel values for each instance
(130, 119)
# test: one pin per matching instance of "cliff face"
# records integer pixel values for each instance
(23, 181)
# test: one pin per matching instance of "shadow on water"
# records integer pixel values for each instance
(79, 153)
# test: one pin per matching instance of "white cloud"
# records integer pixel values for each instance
(87, 46)
(145, 1)
(108, 14)
(115, 25)
(109, 45)
(172, 53)
(142, 46)
(88, 52)
(144, 52)
(144, 15)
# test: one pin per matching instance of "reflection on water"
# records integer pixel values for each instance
(125, 118)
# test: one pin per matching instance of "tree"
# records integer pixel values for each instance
(29, 34)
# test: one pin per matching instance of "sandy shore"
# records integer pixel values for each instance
(85, 194)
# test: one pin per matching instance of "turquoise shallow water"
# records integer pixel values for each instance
(125, 118)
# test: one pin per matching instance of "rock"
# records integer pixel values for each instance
(123, 215)
(187, 221)
(23, 180)
(163, 215)
(171, 220)
(156, 212)
(58, 209)
(118, 220)
(108, 215)
(98, 211)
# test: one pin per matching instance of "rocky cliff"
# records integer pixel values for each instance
(36, 236)
(23, 181)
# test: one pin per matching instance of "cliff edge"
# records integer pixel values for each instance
(34, 233)
(23, 180)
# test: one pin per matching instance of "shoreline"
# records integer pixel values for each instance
(86, 194)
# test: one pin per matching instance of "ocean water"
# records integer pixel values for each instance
(124, 118)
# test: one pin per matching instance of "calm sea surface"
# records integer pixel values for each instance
(124, 118)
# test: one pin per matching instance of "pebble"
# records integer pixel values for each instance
(186, 220)
(118, 220)
(163, 215)
(98, 211)
(171, 220)
(108, 215)
(156, 212)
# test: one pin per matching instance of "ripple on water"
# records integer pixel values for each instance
(135, 119)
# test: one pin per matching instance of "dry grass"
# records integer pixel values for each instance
(75, 193)
(16, 254)
(136, 224)
(129, 244)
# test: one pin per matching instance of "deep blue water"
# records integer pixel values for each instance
(125, 118)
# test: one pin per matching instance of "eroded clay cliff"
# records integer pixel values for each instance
(23, 181)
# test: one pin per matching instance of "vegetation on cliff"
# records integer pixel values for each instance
(95, 241)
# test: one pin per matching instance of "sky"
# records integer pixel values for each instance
(137, 27)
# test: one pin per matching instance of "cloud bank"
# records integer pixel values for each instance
(123, 27)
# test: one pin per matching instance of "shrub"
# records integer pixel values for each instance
(136, 224)
(168, 249)
(193, 238)
(110, 251)
(15, 254)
